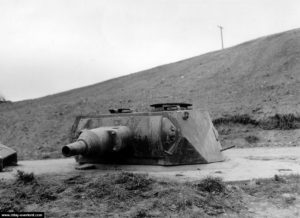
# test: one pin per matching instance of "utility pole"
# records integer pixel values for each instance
(221, 30)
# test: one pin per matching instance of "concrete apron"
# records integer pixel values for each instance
(240, 164)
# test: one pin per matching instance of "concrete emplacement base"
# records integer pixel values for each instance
(240, 164)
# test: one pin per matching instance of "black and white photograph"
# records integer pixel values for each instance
(150, 108)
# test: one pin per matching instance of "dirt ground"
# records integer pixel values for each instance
(122, 194)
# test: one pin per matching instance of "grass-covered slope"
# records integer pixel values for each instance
(259, 78)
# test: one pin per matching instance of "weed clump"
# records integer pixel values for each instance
(47, 196)
(120, 187)
(252, 139)
(133, 181)
(101, 190)
(286, 121)
(278, 178)
(238, 118)
(25, 190)
(278, 121)
(212, 185)
(25, 177)
(10, 205)
(140, 213)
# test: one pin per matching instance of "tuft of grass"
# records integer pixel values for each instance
(212, 185)
(141, 213)
(26, 190)
(25, 177)
(278, 121)
(10, 205)
(133, 181)
(278, 178)
(252, 139)
(238, 118)
(286, 121)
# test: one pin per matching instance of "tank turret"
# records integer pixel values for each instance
(171, 134)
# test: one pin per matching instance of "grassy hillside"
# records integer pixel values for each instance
(259, 78)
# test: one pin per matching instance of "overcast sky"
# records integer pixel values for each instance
(49, 46)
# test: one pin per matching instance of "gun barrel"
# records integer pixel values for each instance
(99, 141)
(75, 148)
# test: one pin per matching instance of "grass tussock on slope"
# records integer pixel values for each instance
(259, 78)
(278, 121)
